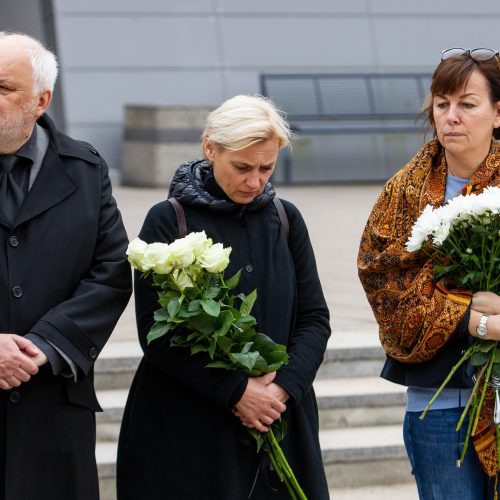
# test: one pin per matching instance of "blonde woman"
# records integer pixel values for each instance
(184, 434)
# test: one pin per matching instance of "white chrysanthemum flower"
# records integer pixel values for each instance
(441, 233)
(489, 200)
(426, 224)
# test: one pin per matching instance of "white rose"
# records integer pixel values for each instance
(135, 252)
(182, 279)
(215, 259)
(156, 257)
(181, 253)
(199, 242)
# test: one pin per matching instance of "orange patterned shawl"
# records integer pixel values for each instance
(415, 317)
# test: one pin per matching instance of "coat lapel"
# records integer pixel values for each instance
(51, 186)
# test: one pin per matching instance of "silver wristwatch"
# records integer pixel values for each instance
(482, 329)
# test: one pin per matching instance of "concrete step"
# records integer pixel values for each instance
(404, 491)
(106, 465)
(352, 354)
(359, 401)
(342, 402)
(117, 364)
(355, 457)
(108, 422)
(365, 456)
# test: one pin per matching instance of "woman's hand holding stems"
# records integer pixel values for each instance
(262, 403)
(485, 303)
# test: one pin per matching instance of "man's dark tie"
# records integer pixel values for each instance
(11, 194)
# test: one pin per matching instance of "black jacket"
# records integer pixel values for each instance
(432, 373)
(65, 253)
(179, 438)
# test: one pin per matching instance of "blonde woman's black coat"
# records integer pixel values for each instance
(63, 276)
(179, 438)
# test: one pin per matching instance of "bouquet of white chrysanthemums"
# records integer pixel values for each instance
(463, 240)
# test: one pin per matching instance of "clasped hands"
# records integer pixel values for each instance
(19, 360)
(486, 303)
(262, 403)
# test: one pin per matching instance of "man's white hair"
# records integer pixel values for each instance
(43, 61)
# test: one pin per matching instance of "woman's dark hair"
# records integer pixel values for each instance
(454, 73)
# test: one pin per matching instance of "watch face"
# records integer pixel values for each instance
(481, 330)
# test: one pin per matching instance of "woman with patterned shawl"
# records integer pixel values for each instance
(425, 326)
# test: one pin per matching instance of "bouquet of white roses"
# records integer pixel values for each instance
(463, 239)
(199, 311)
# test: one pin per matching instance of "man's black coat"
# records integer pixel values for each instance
(63, 276)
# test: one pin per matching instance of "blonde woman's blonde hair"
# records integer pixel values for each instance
(244, 120)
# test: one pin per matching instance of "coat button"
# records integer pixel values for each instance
(93, 352)
(17, 292)
(249, 268)
(15, 397)
(13, 241)
(245, 442)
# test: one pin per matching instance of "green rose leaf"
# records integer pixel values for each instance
(233, 282)
(211, 307)
(202, 323)
(198, 348)
(479, 358)
(173, 307)
(246, 360)
(248, 303)
(194, 305)
(158, 330)
(164, 298)
(221, 364)
(225, 344)
(226, 319)
(161, 315)
(211, 293)
(259, 438)
(486, 345)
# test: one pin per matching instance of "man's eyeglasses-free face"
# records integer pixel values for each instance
(479, 55)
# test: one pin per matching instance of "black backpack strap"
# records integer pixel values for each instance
(282, 215)
(181, 218)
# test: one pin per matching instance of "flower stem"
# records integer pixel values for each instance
(468, 353)
(472, 396)
(291, 482)
(467, 436)
(483, 391)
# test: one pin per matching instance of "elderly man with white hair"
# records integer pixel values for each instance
(64, 283)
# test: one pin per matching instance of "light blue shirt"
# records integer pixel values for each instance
(418, 397)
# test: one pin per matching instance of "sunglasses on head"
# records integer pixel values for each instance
(479, 55)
